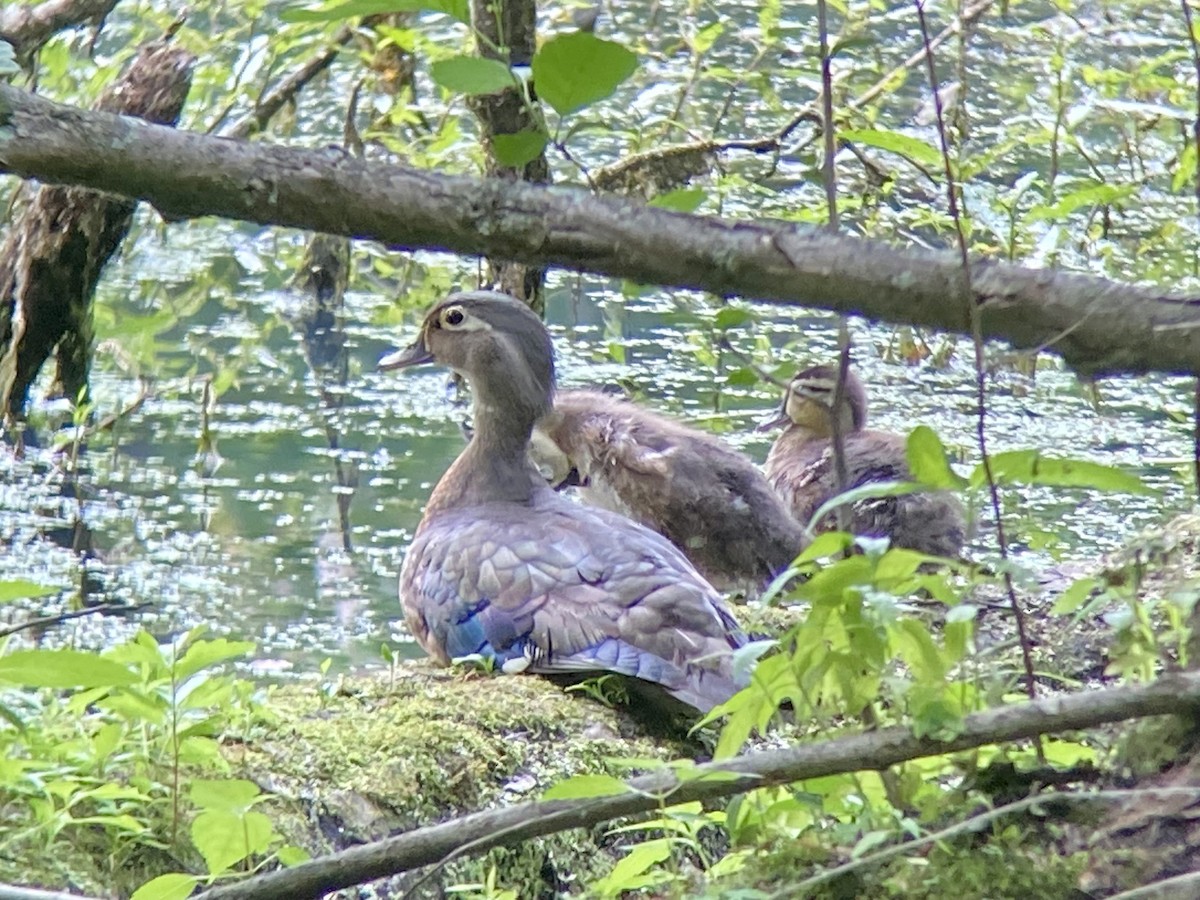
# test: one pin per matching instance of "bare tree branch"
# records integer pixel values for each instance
(1176, 693)
(1097, 326)
(28, 26)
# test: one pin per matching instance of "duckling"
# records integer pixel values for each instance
(706, 498)
(800, 467)
(503, 566)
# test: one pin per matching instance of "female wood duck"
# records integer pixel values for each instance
(800, 467)
(708, 499)
(503, 566)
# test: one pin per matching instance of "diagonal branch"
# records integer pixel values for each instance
(28, 26)
(1177, 693)
(1097, 326)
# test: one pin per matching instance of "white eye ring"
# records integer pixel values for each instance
(453, 317)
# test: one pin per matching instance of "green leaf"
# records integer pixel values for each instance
(350, 9)
(928, 462)
(472, 75)
(1031, 467)
(203, 654)
(1076, 595)
(680, 200)
(581, 786)
(903, 145)
(19, 589)
(732, 317)
(1092, 195)
(572, 71)
(639, 859)
(233, 796)
(291, 855)
(224, 839)
(174, 886)
(62, 669)
(520, 147)
(918, 650)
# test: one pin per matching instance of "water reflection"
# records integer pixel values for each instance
(296, 539)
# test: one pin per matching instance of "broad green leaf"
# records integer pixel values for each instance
(732, 317)
(175, 886)
(351, 9)
(20, 589)
(203, 654)
(291, 855)
(62, 669)
(918, 650)
(1092, 195)
(707, 36)
(637, 861)
(576, 70)
(581, 786)
(928, 462)
(741, 377)
(1031, 467)
(1076, 595)
(826, 544)
(224, 839)
(902, 144)
(680, 200)
(520, 147)
(472, 75)
(234, 795)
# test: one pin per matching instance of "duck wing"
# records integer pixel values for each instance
(557, 587)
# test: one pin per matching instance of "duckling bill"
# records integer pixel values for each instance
(704, 496)
(801, 467)
(503, 566)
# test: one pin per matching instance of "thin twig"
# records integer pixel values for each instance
(48, 621)
(980, 371)
(978, 823)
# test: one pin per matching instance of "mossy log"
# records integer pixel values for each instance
(60, 240)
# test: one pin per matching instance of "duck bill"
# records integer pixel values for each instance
(417, 354)
(778, 419)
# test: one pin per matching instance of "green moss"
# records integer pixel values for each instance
(386, 756)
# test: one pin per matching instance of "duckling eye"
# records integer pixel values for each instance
(453, 317)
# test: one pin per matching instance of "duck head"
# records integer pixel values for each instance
(809, 401)
(497, 343)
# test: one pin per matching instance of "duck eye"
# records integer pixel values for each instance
(453, 317)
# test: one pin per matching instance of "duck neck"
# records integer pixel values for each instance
(495, 465)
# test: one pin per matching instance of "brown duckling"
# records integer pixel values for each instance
(801, 468)
(707, 498)
(504, 567)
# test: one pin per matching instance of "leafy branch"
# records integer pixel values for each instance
(872, 751)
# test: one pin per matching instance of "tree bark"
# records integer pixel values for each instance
(508, 32)
(28, 26)
(55, 249)
(1098, 326)
(478, 832)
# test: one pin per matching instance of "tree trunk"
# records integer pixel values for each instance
(57, 246)
(508, 32)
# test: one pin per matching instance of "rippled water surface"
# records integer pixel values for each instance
(288, 520)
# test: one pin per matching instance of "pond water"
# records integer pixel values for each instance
(287, 524)
(257, 547)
